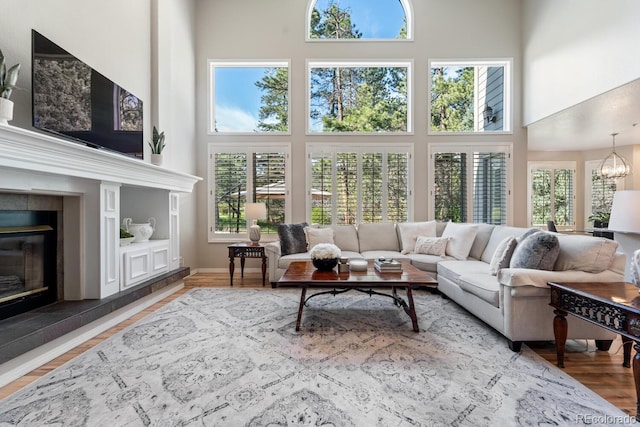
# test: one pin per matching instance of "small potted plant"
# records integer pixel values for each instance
(325, 256)
(157, 145)
(126, 237)
(8, 79)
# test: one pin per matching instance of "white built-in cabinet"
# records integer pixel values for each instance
(125, 266)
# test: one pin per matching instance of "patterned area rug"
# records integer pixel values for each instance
(229, 357)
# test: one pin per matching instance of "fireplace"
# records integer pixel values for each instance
(29, 258)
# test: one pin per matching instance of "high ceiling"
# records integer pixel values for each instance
(589, 125)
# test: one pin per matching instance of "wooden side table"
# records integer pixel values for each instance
(245, 250)
(614, 306)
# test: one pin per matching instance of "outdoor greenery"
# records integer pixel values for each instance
(552, 196)
(343, 99)
(452, 99)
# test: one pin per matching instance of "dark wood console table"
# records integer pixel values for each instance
(614, 306)
(246, 250)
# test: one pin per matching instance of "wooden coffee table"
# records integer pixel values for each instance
(303, 275)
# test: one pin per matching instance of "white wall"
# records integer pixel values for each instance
(577, 49)
(115, 38)
(250, 29)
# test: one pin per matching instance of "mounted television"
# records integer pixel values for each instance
(71, 99)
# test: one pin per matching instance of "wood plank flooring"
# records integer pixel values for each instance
(601, 371)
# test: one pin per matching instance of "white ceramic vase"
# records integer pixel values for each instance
(142, 231)
(156, 159)
(6, 110)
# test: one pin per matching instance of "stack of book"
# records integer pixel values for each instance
(387, 265)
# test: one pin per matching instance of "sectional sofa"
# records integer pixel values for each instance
(479, 266)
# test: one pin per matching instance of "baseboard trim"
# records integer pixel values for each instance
(27, 362)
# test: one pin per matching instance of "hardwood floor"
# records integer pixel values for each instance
(601, 371)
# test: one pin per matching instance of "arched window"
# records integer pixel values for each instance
(359, 20)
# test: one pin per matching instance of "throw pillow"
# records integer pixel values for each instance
(318, 235)
(538, 251)
(431, 245)
(502, 256)
(292, 238)
(461, 237)
(409, 231)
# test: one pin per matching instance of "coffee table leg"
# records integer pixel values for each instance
(560, 330)
(303, 294)
(412, 310)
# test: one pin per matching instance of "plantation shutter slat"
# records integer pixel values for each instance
(490, 188)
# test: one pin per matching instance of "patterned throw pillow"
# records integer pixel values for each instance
(538, 251)
(431, 245)
(292, 238)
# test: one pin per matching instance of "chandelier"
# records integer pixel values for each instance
(614, 165)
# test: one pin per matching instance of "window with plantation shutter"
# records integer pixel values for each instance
(245, 174)
(552, 194)
(349, 185)
(470, 183)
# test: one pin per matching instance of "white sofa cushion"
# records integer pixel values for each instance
(585, 253)
(539, 278)
(482, 239)
(484, 286)
(346, 237)
(498, 235)
(452, 269)
(461, 237)
(409, 231)
(318, 235)
(379, 236)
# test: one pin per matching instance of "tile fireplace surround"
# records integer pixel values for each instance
(98, 188)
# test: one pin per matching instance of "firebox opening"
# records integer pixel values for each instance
(27, 261)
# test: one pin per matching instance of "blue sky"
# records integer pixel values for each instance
(237, 99)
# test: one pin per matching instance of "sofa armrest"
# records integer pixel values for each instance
(539, 278)
(272, 248)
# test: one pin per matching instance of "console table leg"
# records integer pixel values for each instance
(303, 294)
(626, 351)
(242, 266)
(264, 269)
(560, 330)
(232, 267)
(636, 376)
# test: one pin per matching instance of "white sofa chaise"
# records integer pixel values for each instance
(513, 301)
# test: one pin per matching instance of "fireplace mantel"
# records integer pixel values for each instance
(99, 189)
(24, 149)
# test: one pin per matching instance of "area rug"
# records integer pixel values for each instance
(229, 357)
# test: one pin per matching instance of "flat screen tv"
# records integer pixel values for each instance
(73, 100)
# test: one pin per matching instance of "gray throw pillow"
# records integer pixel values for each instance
(539, 251)
(293, 240)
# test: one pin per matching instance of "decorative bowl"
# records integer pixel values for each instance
(326, 264)
(358, 264)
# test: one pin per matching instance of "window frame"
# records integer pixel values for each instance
(469, 148)
(589, 167)
(396, 63)
(212, 64)
(552, 165)
(374, 147)
(408, 13)
(248, 148)
(507, 100)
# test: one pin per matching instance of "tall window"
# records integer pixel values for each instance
(470, 96)
(552, 193)
(360, 20)
(359, 97)
(244, 174)
(355, 184)
(599, 191)
(470, 183)
(249, 97)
